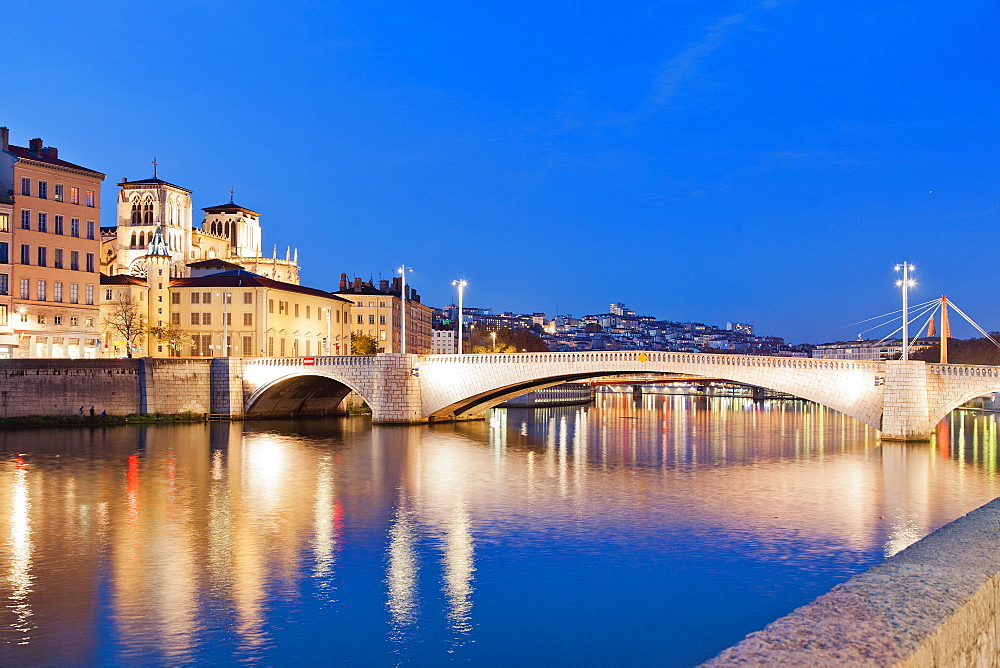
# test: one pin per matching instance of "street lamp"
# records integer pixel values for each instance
(327, 329)
(461, 283)
(402, 320)
(494, 335)
(906, 283)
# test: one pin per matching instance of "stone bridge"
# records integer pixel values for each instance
(905, 400)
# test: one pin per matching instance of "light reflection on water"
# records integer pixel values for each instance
(655, 531)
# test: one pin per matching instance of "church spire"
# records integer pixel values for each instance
(157, 244)
(154, 167)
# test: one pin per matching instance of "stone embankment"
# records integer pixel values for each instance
(936, 603)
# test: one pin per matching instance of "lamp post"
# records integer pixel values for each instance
(461, 283)
(327, 330)
(494, 336)
(402, 318)
(906, 283)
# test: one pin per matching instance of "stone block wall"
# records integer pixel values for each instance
(60, 387)
(177, 385)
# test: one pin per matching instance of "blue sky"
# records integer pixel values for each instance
(765, 162)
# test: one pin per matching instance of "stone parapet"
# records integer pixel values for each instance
(936, 603)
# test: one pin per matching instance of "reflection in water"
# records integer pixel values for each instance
(265, 542)
(19, 572)
(402, 576)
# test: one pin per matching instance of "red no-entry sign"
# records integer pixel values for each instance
(308, 361)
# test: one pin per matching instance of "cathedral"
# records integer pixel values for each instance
(229, 233)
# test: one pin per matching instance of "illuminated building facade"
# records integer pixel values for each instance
(376, 313)
(50, 276)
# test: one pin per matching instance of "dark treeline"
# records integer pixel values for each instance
(965, 351)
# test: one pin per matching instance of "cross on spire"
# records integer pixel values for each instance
(154, 167)
(232, 193)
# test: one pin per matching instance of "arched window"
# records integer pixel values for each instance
(227, 228)
(142, 239)
(136, 212)
(133, 240)
(147, 213)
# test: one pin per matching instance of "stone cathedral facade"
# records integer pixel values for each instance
(228, 232)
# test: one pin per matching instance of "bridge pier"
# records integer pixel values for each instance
(396, 393)
(906, 402)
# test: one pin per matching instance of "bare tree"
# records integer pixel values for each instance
(126, 318)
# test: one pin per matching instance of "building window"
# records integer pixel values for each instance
(206, 298)
(43, 254)
(74, 293)
(247, 346)
(43, 222)
(296, 315)
(74, 195)
(4, 252)
(26, 187)
(307, 311)
(74, 260)
(270, 309)
(381, 335)
(90, 296)
(361, 319)
(90, 198)
(25, 219)
(41, 290)
(43, 190)
(206, 318)
(270, 346)
(74, 227)
(57, 291)
(175, 298)
(4, 284)
(196, 318)
(247, 319)
(248, 298)
(282, 353)
(4, 222)
(108, 295)
(58, 194)
(371, 319)
(90, 262)
(175, 319)
(73, 322)
(57, 320)
(58, 224)
(195, 297)
(25, 288)
(41, 320)
(381, 320)
(229, 319)
(57, 261)
(90, 229)
(3, 316)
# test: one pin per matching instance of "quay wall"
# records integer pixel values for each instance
(37, 387)
(936, 603)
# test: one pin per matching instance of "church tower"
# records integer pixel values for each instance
(143, 206)
(158, 263)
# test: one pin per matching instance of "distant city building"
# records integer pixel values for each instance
(739, 327)
(49, 263)
(444, 342)
(875, 351)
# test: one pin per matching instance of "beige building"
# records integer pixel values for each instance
(229, 313)
(52, 276)
(376, 313)
(228, 232)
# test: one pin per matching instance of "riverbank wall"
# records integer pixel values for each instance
(117, 387)
(936, 603)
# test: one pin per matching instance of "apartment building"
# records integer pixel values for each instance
(376, 313)
(53, 253)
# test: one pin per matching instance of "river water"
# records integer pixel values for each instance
(649, 533)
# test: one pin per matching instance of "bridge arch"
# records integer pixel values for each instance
(459, 387)
(940, 411)
(303, 393)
